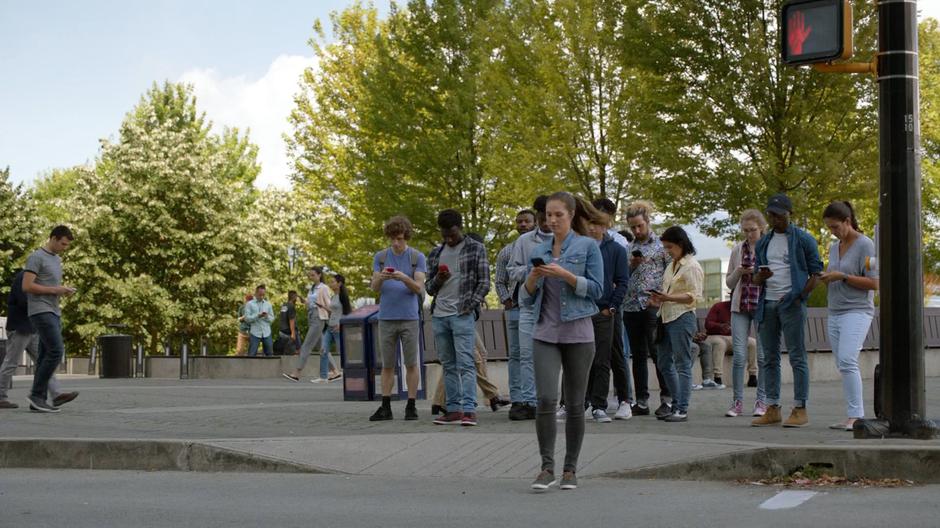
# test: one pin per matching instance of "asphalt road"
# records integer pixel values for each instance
(78, 499)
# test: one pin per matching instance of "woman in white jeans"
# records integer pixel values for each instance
(744, 298)
(852, 278)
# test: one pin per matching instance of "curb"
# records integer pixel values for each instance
(140, 455)
(920, 464)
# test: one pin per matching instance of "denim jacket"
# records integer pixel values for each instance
(581, 256)
(804, 262)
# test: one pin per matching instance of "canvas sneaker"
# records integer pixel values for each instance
(760, 408)
(623, 412)
(600, 416)
(39, 405)
(677, 416)
(544, 480)
(569, 481)
(561, 414)
(451, 418)
(736, 409)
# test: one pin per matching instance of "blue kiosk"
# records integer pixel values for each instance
(362, 362)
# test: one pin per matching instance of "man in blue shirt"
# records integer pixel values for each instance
(788, 266)
(21, 336)
(398, 274)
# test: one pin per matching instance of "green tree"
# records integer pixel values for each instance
(743, 125)
(929, 60)
(162, 236)
(17, 230)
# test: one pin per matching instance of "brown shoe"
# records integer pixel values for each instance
(7, 404)
(64, 398)
(798, 418)
(771, 417)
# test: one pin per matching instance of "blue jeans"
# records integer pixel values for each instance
(253, 341)
(521, 366)
(791, 323)
(330, 338)
(628, 360)
(455, 336)
(674, 359)
(51, 349)
(740, 331)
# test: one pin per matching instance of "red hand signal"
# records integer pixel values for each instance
(797, 33)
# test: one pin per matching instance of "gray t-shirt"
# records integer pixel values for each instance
(550, 327)
(859, 260)
(336, 310)
(47, 267)
(778, 258)
(447, 301)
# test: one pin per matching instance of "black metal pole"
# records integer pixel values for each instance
(903, 404)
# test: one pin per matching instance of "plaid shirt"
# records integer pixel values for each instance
(474, 275)
(750, 292)
(505, 288)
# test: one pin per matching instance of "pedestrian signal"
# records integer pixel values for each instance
(815, 31)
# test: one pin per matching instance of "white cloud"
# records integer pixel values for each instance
(261, 105)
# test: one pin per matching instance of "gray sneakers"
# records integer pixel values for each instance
(600, 416)
(545, 480)
(38, 405)
(569, 481)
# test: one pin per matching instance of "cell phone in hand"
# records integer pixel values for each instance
(637, 253)
(536, 262)
(443, 269)
(655, 291)
(763, 268)
(389, 270)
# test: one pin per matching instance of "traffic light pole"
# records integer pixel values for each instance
(900, 381)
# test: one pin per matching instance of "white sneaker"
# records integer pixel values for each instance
(709, 384)
(319, 380)
(600, 416)
(589, 412)
(561, 414)
(623, 412)
(696, 387)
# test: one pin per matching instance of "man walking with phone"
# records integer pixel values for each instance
(42, 282)
(259, 314)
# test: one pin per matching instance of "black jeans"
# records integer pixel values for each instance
(598, 383)
(618, 363)
(641, 330)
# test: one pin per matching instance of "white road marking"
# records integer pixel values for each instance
(787, 499)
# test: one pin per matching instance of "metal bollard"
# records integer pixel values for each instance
(166, 349)
(139, 369)
(205, 346)
(184, 361)
(93, 361)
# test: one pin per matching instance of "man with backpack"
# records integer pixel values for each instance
(398, 274)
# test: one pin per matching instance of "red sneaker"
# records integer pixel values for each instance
(469, 419)
(451, 418)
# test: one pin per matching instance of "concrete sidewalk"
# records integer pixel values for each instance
(303, 426)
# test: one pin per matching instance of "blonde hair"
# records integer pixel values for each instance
(753, 215)
(640, 208)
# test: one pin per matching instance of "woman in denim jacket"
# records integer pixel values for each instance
(565, 279)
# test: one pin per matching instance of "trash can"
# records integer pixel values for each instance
(362, 361)
(357, 354)
(116, 356)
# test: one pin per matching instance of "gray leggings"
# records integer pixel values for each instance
(574, 360)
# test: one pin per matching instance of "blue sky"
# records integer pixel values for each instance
(69, 71)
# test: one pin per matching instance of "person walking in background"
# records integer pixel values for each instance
(42, 282)
(21, 336)
(788, 267)
(318, 300)
(288, 324)
(648, 261)
(852, 278)
(565, 280)
(682, 287)
(241, 345)
(745, 295)
(458, 279)
(522, 396)
(339, 306)
(398, 276)
(259, 314)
